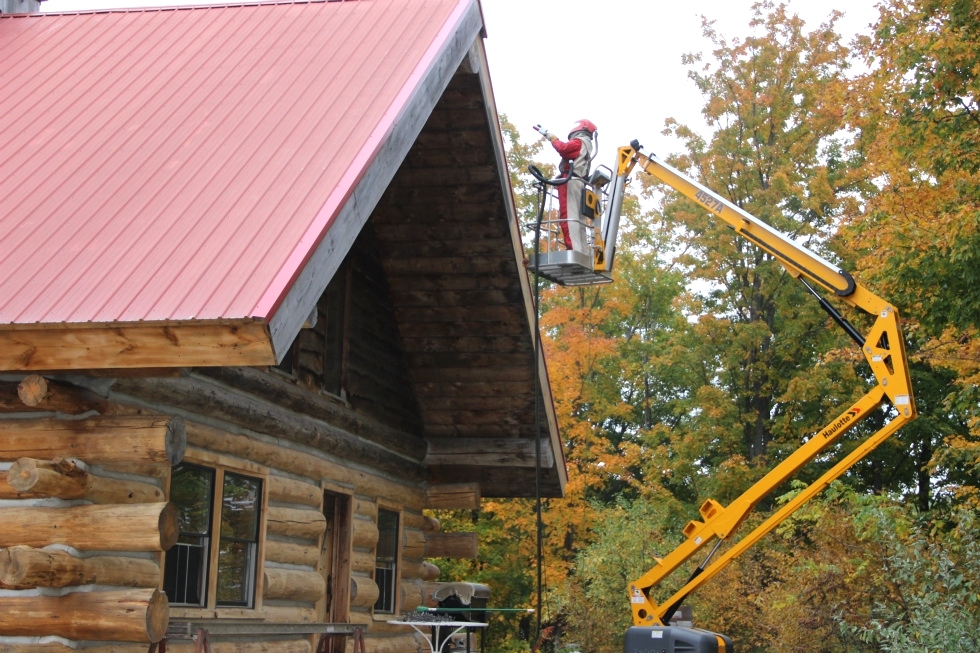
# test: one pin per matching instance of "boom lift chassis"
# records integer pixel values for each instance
(884, 349)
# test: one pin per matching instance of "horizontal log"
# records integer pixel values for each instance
(23, 567)
(36, 394)
(173, 646)
(289, 491)
(487, 389)
(488, 452)
(413, 544)
(454, 496)
(411, 519)
(516, 426)
(292, 554)
(44, 347)
(293, 585)
(136, 527)
(365, 533)
(452, 545)
(364, 591)
(363, 561)
(408, 643)
(117, 439)
(421, 570)
(63, 479)
(287, 646)
(7, 492)
(411, 596)
(366, 508)
(463, 375)
(296, 522)
(284, 393)
(204, 396)
(280, 456)
(136, 615)
(374, 627)
(285, 614)
(445, 264)
(54, 647)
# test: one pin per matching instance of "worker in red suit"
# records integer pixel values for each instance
(576, 156)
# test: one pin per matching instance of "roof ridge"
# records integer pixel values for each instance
(203, 5)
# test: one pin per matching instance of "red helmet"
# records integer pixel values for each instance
(583, 125)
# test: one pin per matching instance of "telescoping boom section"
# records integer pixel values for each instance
(883, 347)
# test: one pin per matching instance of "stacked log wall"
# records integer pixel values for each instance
(76, 498)
(79, 538)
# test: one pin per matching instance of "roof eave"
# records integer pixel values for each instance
(68, 346)
(298, 295)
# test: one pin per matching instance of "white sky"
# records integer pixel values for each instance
(615, 62)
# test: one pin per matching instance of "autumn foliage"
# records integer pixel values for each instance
(705, 363)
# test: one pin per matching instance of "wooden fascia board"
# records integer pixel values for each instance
(487, 452)
(89, 346)
(312, 279)
(526, 291)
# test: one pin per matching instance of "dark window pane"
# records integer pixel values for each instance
(385, 572)
(237, 561)
(185, 573)
(385, 579)
(387, 535)
(191, 491)
(236, 573)
(240, 507)
(186, 563)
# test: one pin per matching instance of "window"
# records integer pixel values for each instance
(385, 569)
(215, 560)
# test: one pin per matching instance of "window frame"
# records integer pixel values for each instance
(220, 464)
(397, 562)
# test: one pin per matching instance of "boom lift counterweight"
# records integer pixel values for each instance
(883, 348)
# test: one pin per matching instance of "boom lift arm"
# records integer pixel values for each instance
(883, 347)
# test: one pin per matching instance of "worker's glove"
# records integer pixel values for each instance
(544, 132)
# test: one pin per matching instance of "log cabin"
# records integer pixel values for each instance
(262, 305)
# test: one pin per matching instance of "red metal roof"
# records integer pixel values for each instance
(180, 164)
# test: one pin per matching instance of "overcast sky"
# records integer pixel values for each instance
(615, 62)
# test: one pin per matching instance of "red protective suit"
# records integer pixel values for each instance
(576, 154)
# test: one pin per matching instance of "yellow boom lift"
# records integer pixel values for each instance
(883, 347)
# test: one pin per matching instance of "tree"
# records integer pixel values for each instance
(918, 115)
(928, 580)
(774, 100)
